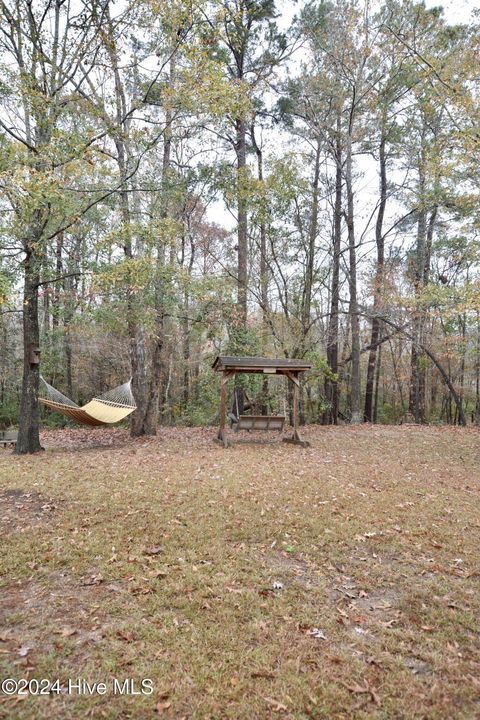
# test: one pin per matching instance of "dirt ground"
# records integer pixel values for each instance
(262, 581)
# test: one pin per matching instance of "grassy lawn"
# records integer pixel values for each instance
(266, 580)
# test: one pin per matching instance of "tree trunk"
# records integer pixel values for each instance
(330, 416)
(356, 415)
(263, 274)
(186, 351)
(28, 435)
(59, 240)
(378, 286)
(242, 228)
(425, 230)
(135, 330)
(310, 259)
(477, 375)
(445, 375)
(463, 324)
(157, 368)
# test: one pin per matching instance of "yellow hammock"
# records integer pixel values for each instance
(111, 407)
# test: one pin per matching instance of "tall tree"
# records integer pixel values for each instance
(253, 48)
(50, 49)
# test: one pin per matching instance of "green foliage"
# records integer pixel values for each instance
(242, 341)
(320, 366)
(6, 285)
(390, 414)
(203, 408)
(9, 414)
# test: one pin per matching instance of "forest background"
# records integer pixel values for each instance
(188, 178)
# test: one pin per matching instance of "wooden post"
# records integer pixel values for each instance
(222, 433)
(296, 438)
(296, 399)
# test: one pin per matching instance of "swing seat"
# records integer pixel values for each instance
(8, 437)
(261, 422)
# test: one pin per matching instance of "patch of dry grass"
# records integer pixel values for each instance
(338, 581)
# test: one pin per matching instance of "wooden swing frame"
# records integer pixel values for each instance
(230, 366)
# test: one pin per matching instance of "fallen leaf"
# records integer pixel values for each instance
(381, 606)
(158, 573)
(276, 706)
(346, 592)
(140, 590)
(356, 688)
(92, 580)
(262, 674)
(153, 550)
(474, 680)
(360, 631)
(389, 623)
(367, 688)
(68, 632)
(317, 633)
(162, 706)
(265, 592)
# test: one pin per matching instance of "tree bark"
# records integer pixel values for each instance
(138, 423)
(445, 376)
(477, 374)
(356, 415)
(263, 272)
(242, 227)
(28, 435)
(425, 230)
(157, 367)
(310, 259)
(378, 282)
(330, 415)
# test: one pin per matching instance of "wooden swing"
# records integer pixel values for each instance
(230, 366)
(239, 421)
(261, 422)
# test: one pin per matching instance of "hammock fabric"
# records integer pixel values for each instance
(111, 407)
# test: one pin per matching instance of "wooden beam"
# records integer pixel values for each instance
(296, 438)
(222, 431)
(293, 377)
(296, 405)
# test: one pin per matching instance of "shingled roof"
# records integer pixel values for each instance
(259, 365)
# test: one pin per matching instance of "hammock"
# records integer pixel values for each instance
(111, 407)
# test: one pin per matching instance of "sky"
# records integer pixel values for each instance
(455, 11)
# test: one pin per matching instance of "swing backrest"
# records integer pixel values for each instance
(261, 422)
